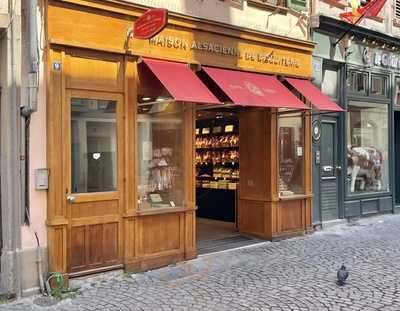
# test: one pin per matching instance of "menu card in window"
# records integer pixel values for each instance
(205, 130)
(217, 129)
(147, 149)
(155, 198)
(229, 128)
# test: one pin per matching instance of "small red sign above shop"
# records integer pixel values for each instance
(150, 23)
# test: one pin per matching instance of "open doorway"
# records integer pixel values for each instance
(217, 179)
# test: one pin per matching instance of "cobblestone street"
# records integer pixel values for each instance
(294, 274)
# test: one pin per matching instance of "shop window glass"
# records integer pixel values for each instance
(397, 92)
(367, 148)
(291, 154)
(330, 83)
(378, 85)
(94, 145)
(358, 82)
(160, 155)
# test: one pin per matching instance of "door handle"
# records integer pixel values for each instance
(338, 168)
(71, 199)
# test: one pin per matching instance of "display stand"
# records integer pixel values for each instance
(217, 168)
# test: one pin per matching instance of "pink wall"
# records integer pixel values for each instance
(37, 159)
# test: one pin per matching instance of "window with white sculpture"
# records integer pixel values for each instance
(367, 148)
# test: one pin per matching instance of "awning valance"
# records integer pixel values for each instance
(181, 82)
(253, 89)
(314, 95)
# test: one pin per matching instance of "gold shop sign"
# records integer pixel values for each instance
(212, 47)
(215, 50)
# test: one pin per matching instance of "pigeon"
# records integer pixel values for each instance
(342, 275)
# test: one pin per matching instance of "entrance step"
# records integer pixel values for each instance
(87, 280)
(204, 263)
(217, 245)
(335, 222)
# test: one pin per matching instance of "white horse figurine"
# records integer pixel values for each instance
(364, 164)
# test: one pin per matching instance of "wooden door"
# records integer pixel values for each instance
(93, 179)
(329, 170)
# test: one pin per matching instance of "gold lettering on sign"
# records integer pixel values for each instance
(169, 42)
(218, 48)
(215, 48)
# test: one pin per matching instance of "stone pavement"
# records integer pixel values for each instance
(294, 274)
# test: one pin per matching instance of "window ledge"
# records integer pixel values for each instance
(268, 6)
(295, 197)
(367, 196)
(335, 3)
(156, 211)
(376, 18)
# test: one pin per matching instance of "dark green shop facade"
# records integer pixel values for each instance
(355, 168)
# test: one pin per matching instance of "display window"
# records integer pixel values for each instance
(160, 155)
(367, 148)
(291, 154)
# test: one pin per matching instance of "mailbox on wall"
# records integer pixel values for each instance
(42, 179)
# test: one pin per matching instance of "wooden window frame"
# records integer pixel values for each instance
(385, 81)
(280, 6)
(301, 115)
(367, 83)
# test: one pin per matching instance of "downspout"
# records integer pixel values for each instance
(26, 111)
(15, 31)
(33, 76)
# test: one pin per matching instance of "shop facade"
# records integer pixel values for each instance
(355, 169)
(121, 134)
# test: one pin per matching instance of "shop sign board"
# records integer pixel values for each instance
(213, 49)
(240, 53)
(150, 23)
(381, 58)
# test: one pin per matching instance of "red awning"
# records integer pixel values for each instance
(314, 95)
(181, 82)
(253, 89)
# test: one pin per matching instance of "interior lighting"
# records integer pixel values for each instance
(160, 99)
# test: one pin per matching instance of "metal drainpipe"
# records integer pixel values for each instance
(33, 76)
(26, 111)
(15, 33)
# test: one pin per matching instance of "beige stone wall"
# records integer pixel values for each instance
(242, 15)
(326, 8)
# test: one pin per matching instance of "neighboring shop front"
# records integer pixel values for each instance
(353, 173)
(121, 134)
